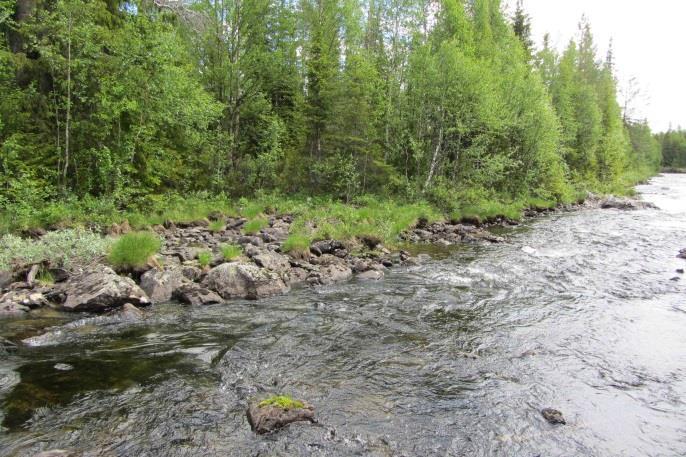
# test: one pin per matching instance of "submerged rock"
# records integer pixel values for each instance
(267, 418)
(371, 275)
(553, 416)
(237, 280)
(100, 288)
(18, 302)
(682, 254)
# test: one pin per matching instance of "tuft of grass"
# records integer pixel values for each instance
(44, 277)
(230, 251)
(204, 258)
(255, 225)
(281, 401)
(216, 226)
(296, 244)
(133, 250)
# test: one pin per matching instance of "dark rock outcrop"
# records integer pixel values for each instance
(553, 416)
(195, 294)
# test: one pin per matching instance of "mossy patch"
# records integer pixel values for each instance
(281, 401)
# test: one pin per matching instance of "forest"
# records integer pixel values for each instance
(109, 106)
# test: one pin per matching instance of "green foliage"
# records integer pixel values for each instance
(204, 259)
(296, 244)
(216, 226)
(253, 226)
(44, 277)
(67, 248)
(281, 401)
(230, 251)
(134, 250)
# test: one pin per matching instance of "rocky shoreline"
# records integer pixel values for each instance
(263, 270)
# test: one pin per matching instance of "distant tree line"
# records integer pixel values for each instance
(440, 100)
(673, 144)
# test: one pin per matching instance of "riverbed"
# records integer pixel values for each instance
(583, 312)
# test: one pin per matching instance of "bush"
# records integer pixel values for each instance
(230, 251)
(255, 225)
(133, 250)
(67, 248)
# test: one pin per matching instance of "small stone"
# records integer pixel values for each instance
(553, 416)
(63, 367)
(680, 271)
(371, 275)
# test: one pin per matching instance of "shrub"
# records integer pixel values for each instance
(204, 259)
(230, 251)
(255, 225)
(68, 248)
(134, 249)
(45, 278)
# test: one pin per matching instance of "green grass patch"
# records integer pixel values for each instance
(255, 225)
(230, 251)
(133, 250)
(45, 278)
(281, 401)
(216, 226)
(296, 244)
(204, 258)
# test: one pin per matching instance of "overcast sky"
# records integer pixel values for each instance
(649, 39)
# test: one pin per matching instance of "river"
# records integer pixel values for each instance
(578, 311)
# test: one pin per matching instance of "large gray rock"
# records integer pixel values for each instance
(273, 261)
(268, 418)
(237, 280)
(100, 288)
(160, 285)
(624, 203)
(196, 294)
(6, 279)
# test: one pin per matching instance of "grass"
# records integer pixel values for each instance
(204, 259)
(230, 251)
(255, 225)
(296, 244)
(45, 278)
(216, 226)
(134, 250)
(281, 401)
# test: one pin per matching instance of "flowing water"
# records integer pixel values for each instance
(578, 311)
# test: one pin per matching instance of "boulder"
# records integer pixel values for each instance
(11, 308)
(553, 416)
(682, 254)
(297, 275)
(237, 280)
(273, 262)
(130, 312)
(325, 247)
(6, 279)
(334, 273)
(159, 285)
(195, 295)
(100, 288)
(270, 418)
(247, 239)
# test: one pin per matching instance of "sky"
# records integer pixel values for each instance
(648, 41)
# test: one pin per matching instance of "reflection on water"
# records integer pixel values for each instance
(455, 357)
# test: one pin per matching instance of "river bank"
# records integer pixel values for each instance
(211, 261)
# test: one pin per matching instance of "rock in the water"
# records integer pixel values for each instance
(682, 254)
(195, 295)
(63, 367)
(18, 302)
(553, 416)
(371, 275)
(237, 280)
(130, 312)
(623, 203)
(270, 418)
(160, 285)
(9, 309)
(55, 453)
(100, 288)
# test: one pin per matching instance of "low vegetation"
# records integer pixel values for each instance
(134, 250)
(255, 225)
(216, 226)
(230, 251)
(281, 401)
(204, 259)
(67, 248)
